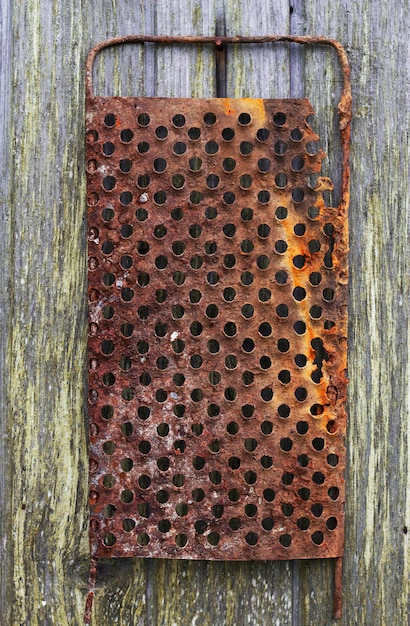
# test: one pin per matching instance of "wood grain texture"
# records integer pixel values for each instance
(43, 452)
(6, 246)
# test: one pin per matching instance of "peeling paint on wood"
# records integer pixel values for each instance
(44, 534)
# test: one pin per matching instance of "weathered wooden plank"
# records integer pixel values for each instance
(376, 566)
(184, 71)
(46, 349)
(121, 583)
(265, 592)
(175, 71)
(315, 74)
(6, 245)
(255, 71)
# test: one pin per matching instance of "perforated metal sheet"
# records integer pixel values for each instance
(217, 336)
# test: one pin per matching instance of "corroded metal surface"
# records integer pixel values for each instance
(217, 336)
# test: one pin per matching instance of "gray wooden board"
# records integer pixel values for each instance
(43, 494)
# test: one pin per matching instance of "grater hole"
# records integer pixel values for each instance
(287, 478)
(209, 119)
(280, 148)
(247, 214)
(109, 511)
(317, 509)
(267, 427)
(245, 181)
(245, 148)
(267, 394)
(318, 443)
(279, 119)
(215, 477)
(126, 135)
(143, 181)
(263, 134)
(317, 537)
(211, 147)
(228, 134)
(265, 329)
(303, 523)
(109, 539)
(108, 148)
(178, 181)
(143, 539)
(304, 493)
(162, 430)
(268, 523)
(143, 119)
(269, 495)
(284, 410)
(234, 462)
(299, 327)
(213, 538)
(144, 510)
(109, 120)
(247, 278)
(161, 132)
(266, 461)
(250, 444)
(264, 196)
(244, 119)
(107, 412)
(200, 526)
(264, 165)
(229, 164)
(107, 214)
(281, 213)
(265, 362)
(299, 294)
(232, 428)
(234, 495)
(164, 526)
(143, 147)
(212, 181)
(248, 410)
(264, 294)
(229, 294)
(286, 444)
(213, 346)
(251, 538)
(333, 493)
(296, 134)
(177, 214)
(247, 311)
(302, 427)
(178, 120)
(234, 523)
(179, 148)
(332, 460)
(297, 163)
(194, 133)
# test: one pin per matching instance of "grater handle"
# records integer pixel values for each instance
(344, 106)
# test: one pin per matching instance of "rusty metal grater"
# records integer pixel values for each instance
(217, 326)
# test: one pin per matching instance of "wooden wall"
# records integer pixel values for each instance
(43, 449)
